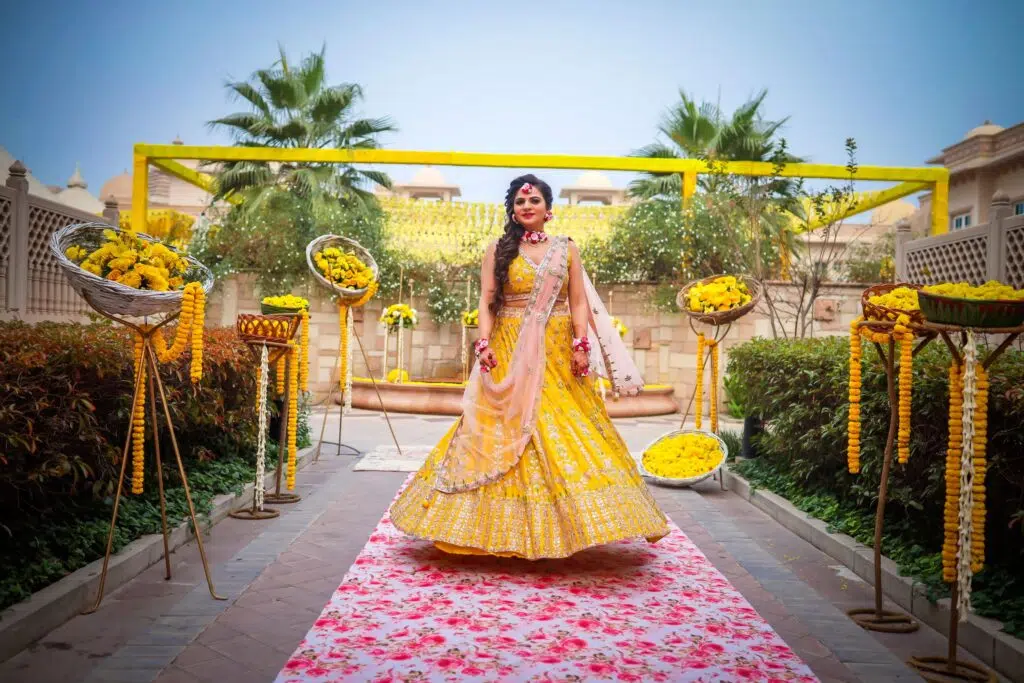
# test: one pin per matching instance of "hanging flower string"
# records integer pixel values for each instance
(345, 330)
(699, 390)
(853, 424)
(293, 410)
(261, 439)
(980, 470)
(190, 327)
(713, 343)
(304, 348)
(905, 336)
(139, 420)
(950, 514)
(906, 381)
(966, 498)
(712, 346)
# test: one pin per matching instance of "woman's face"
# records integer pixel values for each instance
(529, 208)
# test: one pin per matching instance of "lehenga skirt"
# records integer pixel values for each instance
(576, 485)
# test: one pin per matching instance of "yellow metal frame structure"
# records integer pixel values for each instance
(910, 179)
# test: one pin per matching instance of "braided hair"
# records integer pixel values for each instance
(508, 245)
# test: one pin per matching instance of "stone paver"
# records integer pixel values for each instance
(279, 574)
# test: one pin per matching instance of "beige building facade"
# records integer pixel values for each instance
(988, 161)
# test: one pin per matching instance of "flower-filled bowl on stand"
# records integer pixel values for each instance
(683, 458)
(719, 299)
(342, 265)
(120, 272)
(992, 304)
(283, 305)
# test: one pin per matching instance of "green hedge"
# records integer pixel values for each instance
(65, 394)
(800, 390)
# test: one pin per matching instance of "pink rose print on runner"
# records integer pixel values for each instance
(629, 611)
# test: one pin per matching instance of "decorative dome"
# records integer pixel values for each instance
(428, 176)
(893, 212)
(987, 128)
(120, 186)
(594, 180)
(76, 179)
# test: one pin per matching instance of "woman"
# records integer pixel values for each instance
(534, 468)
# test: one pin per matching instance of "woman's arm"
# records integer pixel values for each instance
(578, 306)
(579, 309)
(485, 321)
(488, 287)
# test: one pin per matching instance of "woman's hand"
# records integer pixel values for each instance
(488, 361)
(580, 363)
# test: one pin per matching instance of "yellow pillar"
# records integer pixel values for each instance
(940, 207)
(689, 187)
(140, 192)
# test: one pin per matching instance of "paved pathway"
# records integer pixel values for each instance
(279, 574)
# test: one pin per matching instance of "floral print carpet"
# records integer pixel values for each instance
(630, 611)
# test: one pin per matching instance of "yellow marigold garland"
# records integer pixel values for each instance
(304, 360)
(344, 341)
(953, 453)
(699, 390)
(853, 421)
(906, 380)
(279, 372)
(293, 411)
(198, 323)
(714, 383)
(190, 325)
(139, 420)
(980, 469)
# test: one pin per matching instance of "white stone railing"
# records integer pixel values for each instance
(993, 251)
(32, 286)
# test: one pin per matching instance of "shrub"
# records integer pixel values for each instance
(800, 389)
(65, 395)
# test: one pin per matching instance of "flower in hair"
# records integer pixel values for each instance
(526, 188)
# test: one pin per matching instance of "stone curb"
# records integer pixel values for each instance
(31, 619)
(981, 637)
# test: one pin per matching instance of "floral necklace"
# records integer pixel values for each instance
(533, 237)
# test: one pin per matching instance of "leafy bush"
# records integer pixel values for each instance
(65, 395)
(800, 389)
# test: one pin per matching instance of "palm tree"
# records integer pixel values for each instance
(294, 108)
(703, 132)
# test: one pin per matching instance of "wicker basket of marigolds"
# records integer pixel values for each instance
(342, 265)
(124, 273)
(719, 299)
(683, 458)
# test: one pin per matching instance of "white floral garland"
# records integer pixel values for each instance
(401, 353)
(963, 550)
(387, 348)
(261, 440)
(350, 331)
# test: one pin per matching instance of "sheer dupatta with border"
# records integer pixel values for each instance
(498, 418)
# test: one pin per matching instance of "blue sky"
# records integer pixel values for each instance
(90, 79)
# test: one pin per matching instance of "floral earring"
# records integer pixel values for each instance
(549, 217)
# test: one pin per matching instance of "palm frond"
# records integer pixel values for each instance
(240, 124)
(313, 72)
(365, 128)
(246, 91)
(328, 106)
(652, 186)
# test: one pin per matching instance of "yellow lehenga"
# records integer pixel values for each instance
(576, 484)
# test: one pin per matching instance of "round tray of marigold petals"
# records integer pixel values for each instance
(683, 458)
(266, 328)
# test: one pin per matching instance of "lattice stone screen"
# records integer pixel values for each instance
(6, 207)
(1013, 248)
(962, 257)
(48, 290)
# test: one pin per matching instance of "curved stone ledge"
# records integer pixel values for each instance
(440, 398)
